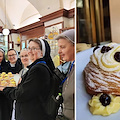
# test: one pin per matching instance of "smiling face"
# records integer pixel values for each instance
(34, 51)
(1, 56)
(24, 58)
(66, 50)
(12, 56)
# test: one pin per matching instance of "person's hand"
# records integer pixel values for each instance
(19, 81)
(1, 88)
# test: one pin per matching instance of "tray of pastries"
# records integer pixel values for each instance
(9, 79)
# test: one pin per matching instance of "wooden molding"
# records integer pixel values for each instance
(71, 13)
(33, 33)
(54, 15)
(1, 28)
(13, 31)
(60, 13)
(30, 27)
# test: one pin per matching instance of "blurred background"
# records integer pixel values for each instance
(97, 22)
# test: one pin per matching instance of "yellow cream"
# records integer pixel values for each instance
(6, 75)
(96, 107)
(12, 79)
(6, 78)
(3, 73)
(9, 73)
(13, 82)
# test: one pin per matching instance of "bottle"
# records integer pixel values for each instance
(60, 110)
(58, 96)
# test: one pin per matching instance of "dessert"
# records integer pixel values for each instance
(3, 73)
(102, 78)
(6, 75)
(1, 78)
(10, 74)
(7, 80)
(12, 83)
(4, 83)
(102, 73)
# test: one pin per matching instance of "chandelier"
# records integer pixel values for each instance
(5, 31)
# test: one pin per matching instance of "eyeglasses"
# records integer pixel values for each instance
(22, 56)
(12, 55)
(1, 56)
(33, 49)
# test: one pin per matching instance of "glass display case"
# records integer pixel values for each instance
(93, 22)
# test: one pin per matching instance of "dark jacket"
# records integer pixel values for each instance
(17, 68)
(5, 103)
(5, 107)
(3, 66)
(31, 93)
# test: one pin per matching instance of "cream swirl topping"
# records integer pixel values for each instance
(106, 61)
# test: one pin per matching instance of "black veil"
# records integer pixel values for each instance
(47, 56)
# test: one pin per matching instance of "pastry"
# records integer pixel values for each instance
(7, 80)
(4, 83)
(10, 74)
(3, 74)
(102, 79)
(1, 78)
(12, 83)
(6, 75)
(102, 73)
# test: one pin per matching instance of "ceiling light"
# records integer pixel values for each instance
(5, 31)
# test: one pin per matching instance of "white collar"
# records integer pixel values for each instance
(12, 65)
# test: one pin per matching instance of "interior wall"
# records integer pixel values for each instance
(33, 33)
(2, 17)
(54, 21)
(68, 22)
(115, 20)
(46, 7)
(14, 38)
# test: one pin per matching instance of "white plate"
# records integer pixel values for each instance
(82, 98)
(16, 78)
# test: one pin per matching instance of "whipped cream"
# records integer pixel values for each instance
(106, 60)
